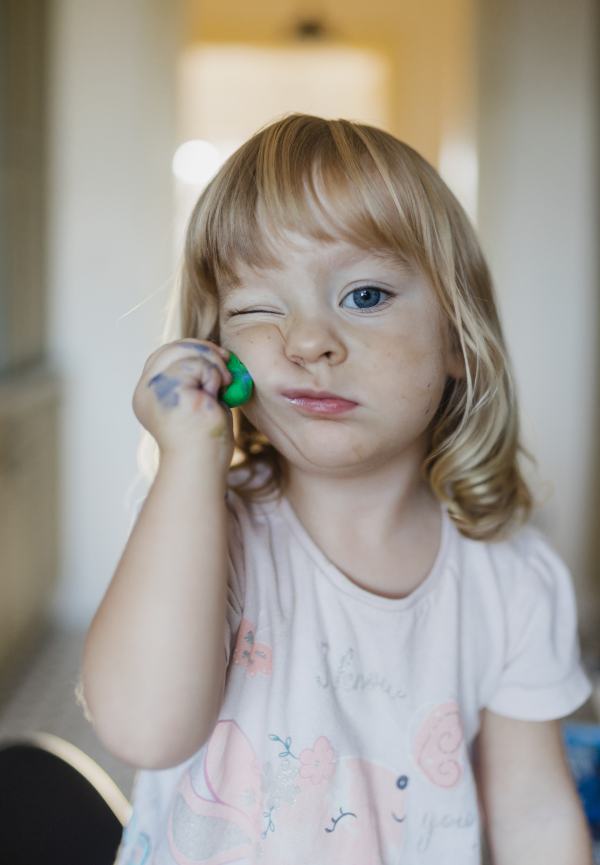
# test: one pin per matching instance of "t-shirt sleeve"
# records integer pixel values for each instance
(542, 678)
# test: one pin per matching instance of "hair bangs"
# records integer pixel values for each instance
(321, 183)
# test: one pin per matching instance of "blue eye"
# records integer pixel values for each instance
(364, 298)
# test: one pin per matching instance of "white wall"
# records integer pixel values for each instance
(538, 222)
(112, 135)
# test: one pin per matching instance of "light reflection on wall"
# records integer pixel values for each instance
(458, 165)
(228, 91)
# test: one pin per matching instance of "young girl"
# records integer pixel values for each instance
(340, 651)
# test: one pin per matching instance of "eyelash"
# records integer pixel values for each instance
(370, 309)
(385, 302)
(249, 311)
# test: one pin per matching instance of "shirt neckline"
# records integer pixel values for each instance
(346, 585)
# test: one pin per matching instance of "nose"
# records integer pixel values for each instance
(310, 340)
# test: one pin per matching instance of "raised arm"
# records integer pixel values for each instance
(532, 811)
(154, 659)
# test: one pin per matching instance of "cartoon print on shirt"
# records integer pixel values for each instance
(317, 762)
(141, 851)
(438, 746)
(256, 657)
(277, 785)
(336, 820)
(401, 784)
(217, 806)
(141, 847)
(224, 809)
(287, 745)
(348, 679)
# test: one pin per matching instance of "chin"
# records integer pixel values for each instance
(328, 448)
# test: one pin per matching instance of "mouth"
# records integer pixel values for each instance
(319, 402)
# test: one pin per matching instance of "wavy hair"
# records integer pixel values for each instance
(335, 179)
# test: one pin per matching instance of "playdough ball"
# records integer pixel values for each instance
(240, 389)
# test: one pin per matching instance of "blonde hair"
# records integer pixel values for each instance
(332, 179)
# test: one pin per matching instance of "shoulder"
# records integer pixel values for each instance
(524, 564)
(528, 594)
(517, 586)
(528, 546)
(250, 547)
(528, 568)
(253, 520)
(246, 490)
(246, 510)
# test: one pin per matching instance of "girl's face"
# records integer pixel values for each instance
(348, 350)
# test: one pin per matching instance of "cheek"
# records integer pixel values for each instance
(255, 345)
(413, 365)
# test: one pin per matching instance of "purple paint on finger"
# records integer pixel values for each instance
(203, 349)
(165, 388)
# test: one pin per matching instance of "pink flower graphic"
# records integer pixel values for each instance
(317, 763)
(256, 657)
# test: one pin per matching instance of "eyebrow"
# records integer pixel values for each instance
(393, 257)
(388, 256)
(228, 286)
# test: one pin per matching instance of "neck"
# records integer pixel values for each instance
(381, 527)
(381, 499)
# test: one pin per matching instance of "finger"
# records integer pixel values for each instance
(165, 354)
(181, 349)
(208, 376)
(210, 350)
(195, 374)
(218, 348)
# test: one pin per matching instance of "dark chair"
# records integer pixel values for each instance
(57, 806)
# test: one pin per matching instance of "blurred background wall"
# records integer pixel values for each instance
(111, 117)
(499, 94)
(538, 219)
(29, 518)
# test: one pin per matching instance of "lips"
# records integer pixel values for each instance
(319, 401)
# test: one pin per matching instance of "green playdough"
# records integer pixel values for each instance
(240, 390)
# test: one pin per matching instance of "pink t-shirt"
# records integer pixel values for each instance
(348, 718)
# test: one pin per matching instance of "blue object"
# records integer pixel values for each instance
(582, 742)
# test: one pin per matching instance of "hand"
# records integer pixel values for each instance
(177, 400)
